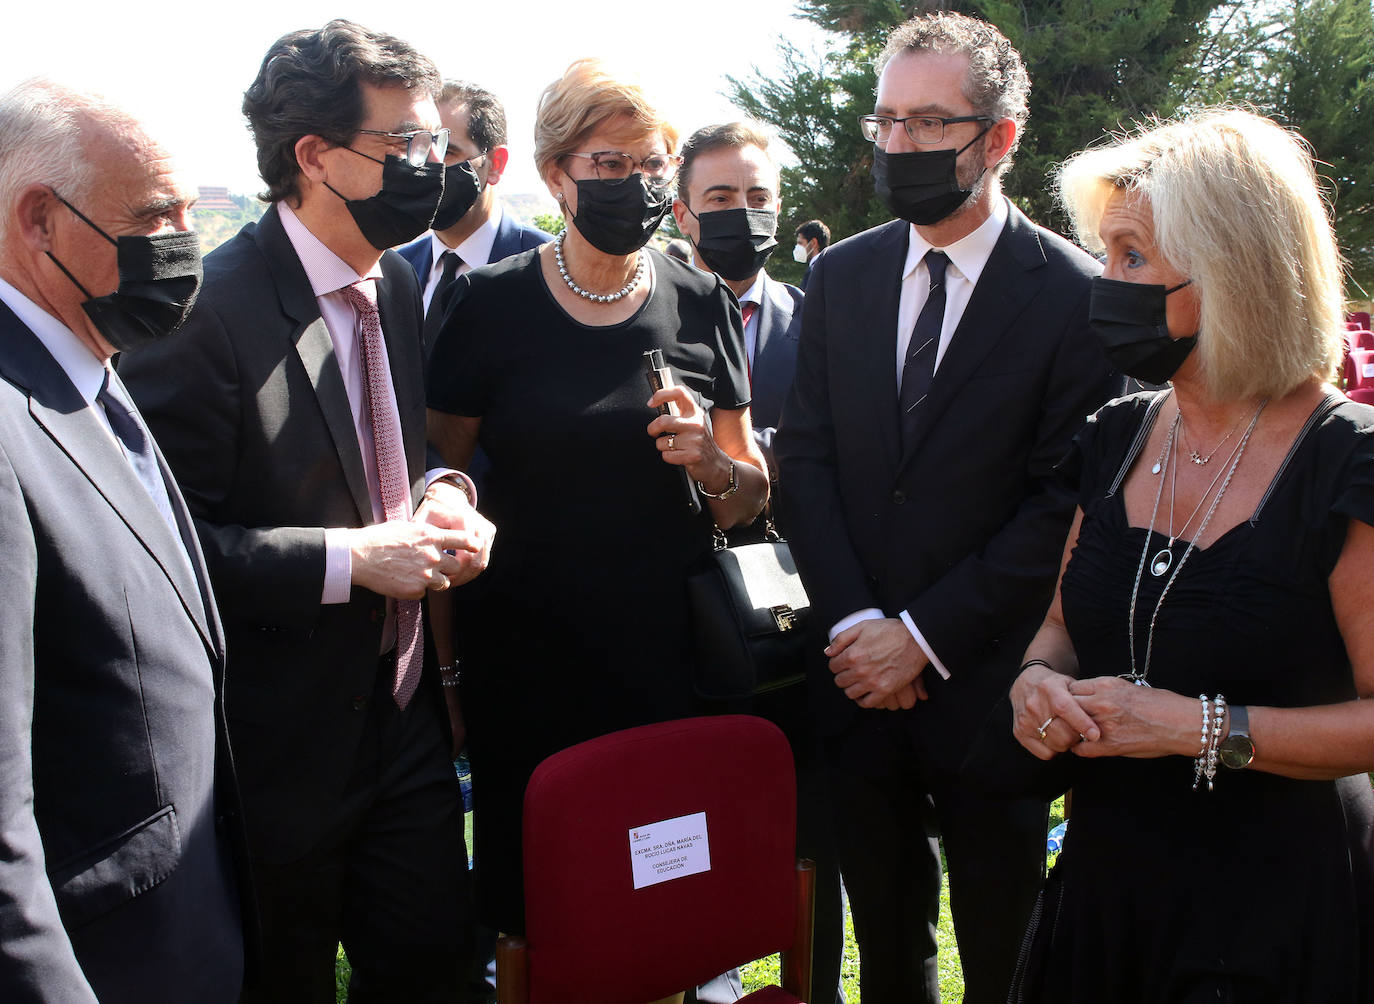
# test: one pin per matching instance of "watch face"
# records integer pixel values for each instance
(1236, 752)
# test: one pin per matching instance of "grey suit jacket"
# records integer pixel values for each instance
(258, 428)
(116, 788)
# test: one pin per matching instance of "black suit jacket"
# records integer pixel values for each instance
(248, 402)
(116, 790)
(964, 528)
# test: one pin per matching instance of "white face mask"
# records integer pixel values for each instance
(799, 254)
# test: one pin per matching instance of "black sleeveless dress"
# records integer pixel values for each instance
(579, 625)
(1261, 889)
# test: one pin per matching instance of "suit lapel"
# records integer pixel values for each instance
(1006, 285)
(507, 240)
(875, 330)
(316, 352)
(57, 407)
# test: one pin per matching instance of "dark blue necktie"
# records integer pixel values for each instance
(137, 446)
(919, 368)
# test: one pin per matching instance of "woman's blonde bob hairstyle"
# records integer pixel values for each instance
(583, 100)
(1236, 208)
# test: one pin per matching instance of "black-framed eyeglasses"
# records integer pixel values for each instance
(923, 129)
(614, 167)
(419, 143)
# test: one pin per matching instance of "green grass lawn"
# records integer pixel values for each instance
(765, 971)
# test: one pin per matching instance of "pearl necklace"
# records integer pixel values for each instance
(623, 292)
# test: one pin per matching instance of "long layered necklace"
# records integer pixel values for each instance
(620, 294)
(1163, 559)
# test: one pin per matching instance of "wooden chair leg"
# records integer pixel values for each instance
(796, 961)
(512, 970)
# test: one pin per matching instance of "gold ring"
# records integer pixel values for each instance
(672, 442)
(1043, 727)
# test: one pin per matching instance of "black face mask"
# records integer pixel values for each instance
(619, 218)
(461, 189)
(402, 210)
(921, 187)
(735, 243)
(1129, 318)
(159, 278)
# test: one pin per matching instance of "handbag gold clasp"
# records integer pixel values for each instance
(784, 616)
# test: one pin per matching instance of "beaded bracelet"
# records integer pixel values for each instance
(1213, 718)
(449, 675)
(1200, 764)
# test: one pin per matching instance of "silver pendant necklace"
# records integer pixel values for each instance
(1138, 674)
(1198, 458)
(623, 292)
(1165, 557)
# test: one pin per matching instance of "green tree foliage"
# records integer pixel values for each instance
(550, 223)
(1319, 78)
(1095, 65)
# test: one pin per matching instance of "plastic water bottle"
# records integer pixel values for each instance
(1055, 841)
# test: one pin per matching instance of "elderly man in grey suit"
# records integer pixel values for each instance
(116, 791)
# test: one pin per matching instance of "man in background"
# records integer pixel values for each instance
(727, 205)
(471, 227)
(813, 237)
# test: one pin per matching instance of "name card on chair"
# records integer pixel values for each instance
(668, 850)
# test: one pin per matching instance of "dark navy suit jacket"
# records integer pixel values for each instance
(512, 237)
(775, 359)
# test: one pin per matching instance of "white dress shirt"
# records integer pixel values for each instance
(474, 251)
(967, 258)
(754, 295)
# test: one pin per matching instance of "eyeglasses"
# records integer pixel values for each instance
(923, 129)
(419, 143)
(614, 167)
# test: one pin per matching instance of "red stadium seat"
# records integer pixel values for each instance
(1365, 395)
(1362, 339)
(607, 824)
(1359, 369)
(1360, 317)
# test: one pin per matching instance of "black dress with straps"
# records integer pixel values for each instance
(579, 625)
(1261, 889)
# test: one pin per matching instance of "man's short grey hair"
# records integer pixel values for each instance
(47, 128)
(997, 84)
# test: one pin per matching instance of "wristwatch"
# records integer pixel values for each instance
(1237, 750)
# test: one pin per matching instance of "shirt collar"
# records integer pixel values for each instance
(754, 293)
(970, 253)
(325, 270)
(476, 250)
(83, 368)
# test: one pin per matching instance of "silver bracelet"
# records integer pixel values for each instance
(1200, 763)
(730, 489)
(1213, 717)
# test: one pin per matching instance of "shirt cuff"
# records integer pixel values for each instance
(866, 614)
(338, 567)
(925, 645)
(438, 473)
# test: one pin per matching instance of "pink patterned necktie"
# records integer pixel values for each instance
(391, 474)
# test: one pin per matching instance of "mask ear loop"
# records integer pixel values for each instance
(68, 274)
(86, 220)
(1175, 289)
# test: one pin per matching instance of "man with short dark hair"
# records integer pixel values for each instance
(471, 227)
(813, 237)
(297, 425)
(946, 362)
(117, 808)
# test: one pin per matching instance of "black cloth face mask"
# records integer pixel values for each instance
(159, 279)
(461, 189)
(404, 207)
(619, 218)
(736, 242)
(921, 187)
(1129, 318)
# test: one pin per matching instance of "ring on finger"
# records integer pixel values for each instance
(672, 441)
(1046, 725)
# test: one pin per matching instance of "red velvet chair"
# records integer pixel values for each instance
(1364, 395)
(595, 809)
(1362, 339)
(1360, 317)
(1359, 370)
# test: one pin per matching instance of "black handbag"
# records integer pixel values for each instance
(749, 613)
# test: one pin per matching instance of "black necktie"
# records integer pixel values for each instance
(919, 368)
(137, 446)
(435, 314)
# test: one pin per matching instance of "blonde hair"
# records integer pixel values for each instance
(583, 100)
(1236, 208)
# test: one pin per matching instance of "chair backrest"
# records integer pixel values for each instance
(1364, 395)
(1362, 339)
(701, 814)
(1359, 369)
(1360, 317)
